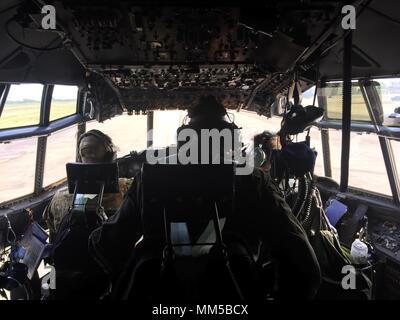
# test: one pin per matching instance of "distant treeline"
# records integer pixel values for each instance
(35, 101)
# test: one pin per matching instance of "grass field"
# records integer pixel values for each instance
(359, 111)
(18, 114)
(334, 101)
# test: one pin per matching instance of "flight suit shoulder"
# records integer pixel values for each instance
(125, 184)
(57, 208)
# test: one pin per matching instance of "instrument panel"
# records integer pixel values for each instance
(385, 235)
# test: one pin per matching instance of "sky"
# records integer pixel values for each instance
(19, 92)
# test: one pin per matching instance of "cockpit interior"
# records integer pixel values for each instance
(313, 86)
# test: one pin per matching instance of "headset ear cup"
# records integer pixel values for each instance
(113, 156)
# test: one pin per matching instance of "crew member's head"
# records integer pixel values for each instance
(95, 146)
(210, 114)
(266, 142)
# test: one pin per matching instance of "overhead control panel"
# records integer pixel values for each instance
(245, 55)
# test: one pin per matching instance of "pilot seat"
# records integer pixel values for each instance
(184, 255)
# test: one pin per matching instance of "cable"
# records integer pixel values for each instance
(21, 285)
(229, 115)
(308, 206)
(302, 195)
(254, 30)
(9, 228)
(60, 46)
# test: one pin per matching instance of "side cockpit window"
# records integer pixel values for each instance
(396, 152)
(17, 168)
(374, 123)
(21, 106)
(61, 148)
(34, 145)
(333, 93)
(63, 102)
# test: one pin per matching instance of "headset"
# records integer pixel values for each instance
(211, 114)
(111, 149)
(208, 114)
(263, 147)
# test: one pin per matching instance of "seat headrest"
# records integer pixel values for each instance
(166, 181)
(187, 193)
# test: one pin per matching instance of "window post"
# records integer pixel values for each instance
(150, 124)
(45, 104)
(346, 120)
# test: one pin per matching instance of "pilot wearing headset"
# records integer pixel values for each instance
(264, 144)
(261, 215)
(94, 147)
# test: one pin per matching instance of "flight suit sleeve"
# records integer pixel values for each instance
(112, 244)
(299, 275)
(54, 212)
(49, 220)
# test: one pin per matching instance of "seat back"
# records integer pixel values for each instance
(185, 194)
(183, 256)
